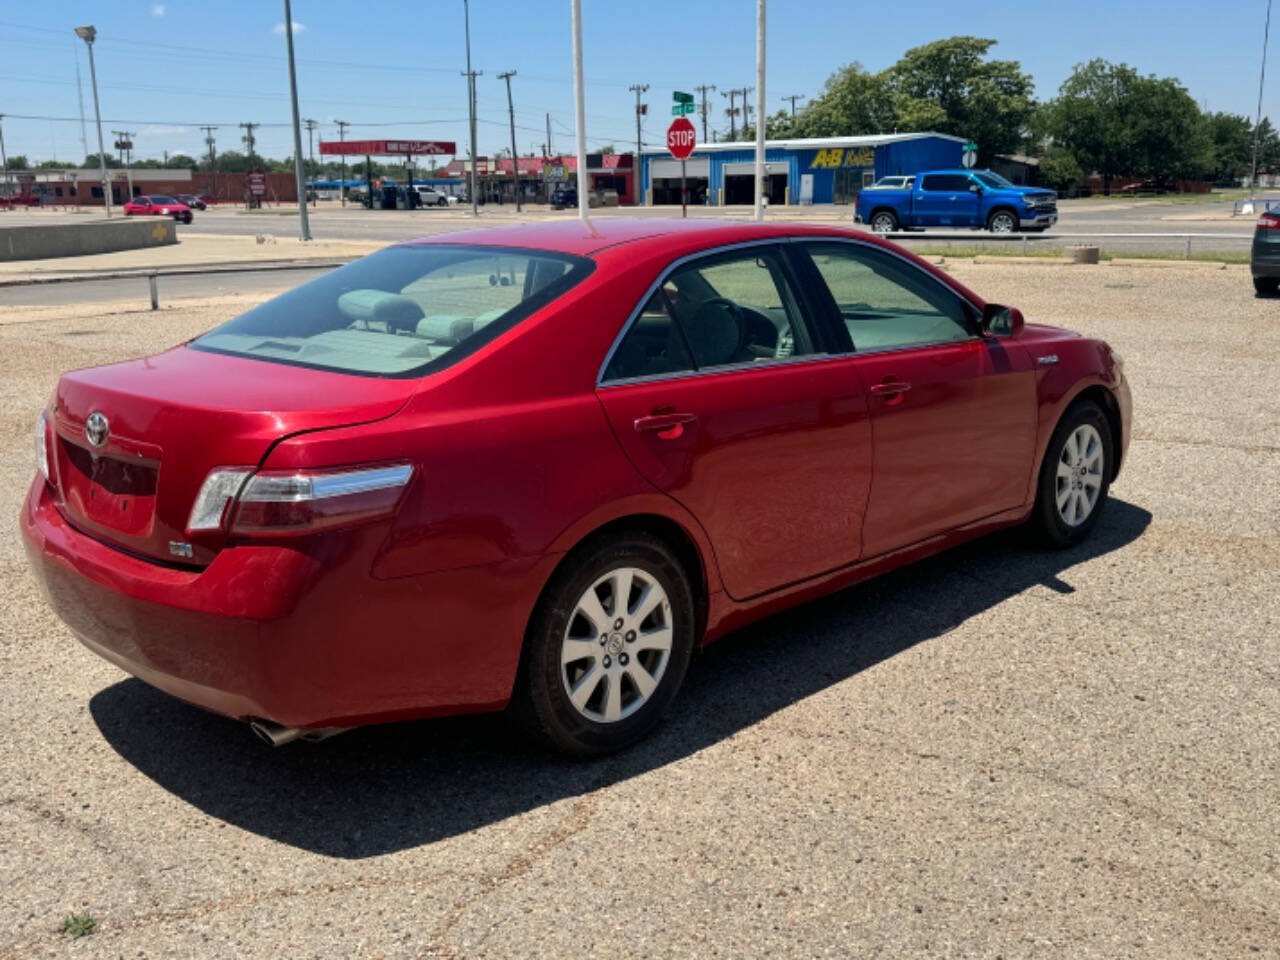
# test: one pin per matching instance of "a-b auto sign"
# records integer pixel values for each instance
(836, 157)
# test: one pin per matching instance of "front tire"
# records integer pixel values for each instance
(1266, 286)
(1075, 476)
(1002, 221)
(608, 647)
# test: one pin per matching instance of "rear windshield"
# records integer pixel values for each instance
(400, 312)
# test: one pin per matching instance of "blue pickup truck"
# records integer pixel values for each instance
(979, 199)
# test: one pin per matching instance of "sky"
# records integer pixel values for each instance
(165, 68)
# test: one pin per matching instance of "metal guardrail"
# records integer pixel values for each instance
(1024, 239)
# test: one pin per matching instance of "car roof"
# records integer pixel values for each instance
(639, 232)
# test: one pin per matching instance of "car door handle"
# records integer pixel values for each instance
(668, 426)
(890, 388)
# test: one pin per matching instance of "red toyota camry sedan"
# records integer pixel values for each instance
(540, 465)
(158, 207)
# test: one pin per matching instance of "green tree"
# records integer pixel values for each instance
(1060, 169)
(853, 101)
(232, 161)
(949, 87)
(1268, 147)
(180, 160)
(1232, 139)
(112, 163)
(18, 161)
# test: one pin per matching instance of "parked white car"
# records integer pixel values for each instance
(431, 197)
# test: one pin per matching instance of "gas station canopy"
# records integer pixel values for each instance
(388, 148)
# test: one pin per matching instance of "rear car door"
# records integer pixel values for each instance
(725, 397)
(953, 413)
(944, 199)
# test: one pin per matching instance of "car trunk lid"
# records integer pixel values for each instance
(129, 475)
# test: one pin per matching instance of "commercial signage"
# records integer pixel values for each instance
(970, 155)
(835, 157)
(388, 148)
(681, 138)
(257, 183)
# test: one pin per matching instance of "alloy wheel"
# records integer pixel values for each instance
(882, 223)
(1079, 475)
(1002, 223)
(617, 645)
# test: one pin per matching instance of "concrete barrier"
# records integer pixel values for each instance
(41, 242)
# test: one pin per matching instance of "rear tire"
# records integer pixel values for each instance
(1266, 286)
(1075, 476)
(600, 668)
(884, 221)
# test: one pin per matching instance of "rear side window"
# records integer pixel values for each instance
(945, 183)
(403, 311)
(718, 311)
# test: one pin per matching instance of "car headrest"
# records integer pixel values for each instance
(394, 310)
(715, 334)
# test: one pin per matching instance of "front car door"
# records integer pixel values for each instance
(725, 396)
(953, 413)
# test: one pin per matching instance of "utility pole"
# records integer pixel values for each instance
(342, 137)
(124, 144)
(746, 108)
(761, 197)
(1257, 126)
(733, 113)
(702, 91)
(84, 137)
(793, 98)
(304, 226)
(87, 34)
(4, 161)
(248, 139)
(213, 158)
(311, 150)
(515, 157)
(638, 89)
(471, 106)
(551, 147)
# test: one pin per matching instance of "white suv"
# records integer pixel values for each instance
(431, 197)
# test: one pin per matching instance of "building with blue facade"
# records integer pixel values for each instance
(819, 170)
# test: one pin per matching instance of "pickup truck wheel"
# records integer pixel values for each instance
(884, 221)
(1002, 221)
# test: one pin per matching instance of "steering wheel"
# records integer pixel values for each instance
(715, 331)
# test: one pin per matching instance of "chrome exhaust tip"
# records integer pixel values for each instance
(278, 735)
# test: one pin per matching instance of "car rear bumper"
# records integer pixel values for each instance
(1265, 262)
(302, 636)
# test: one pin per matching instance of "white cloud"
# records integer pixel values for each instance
(158, 9)
(278, 29)
(160, 130)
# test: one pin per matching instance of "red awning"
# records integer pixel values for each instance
(388, 148)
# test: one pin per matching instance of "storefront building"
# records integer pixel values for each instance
(819, 170)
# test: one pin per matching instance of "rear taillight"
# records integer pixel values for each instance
(274, 503)
(1268, 222)
(42, 446)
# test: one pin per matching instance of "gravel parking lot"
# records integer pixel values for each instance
(1001, 752)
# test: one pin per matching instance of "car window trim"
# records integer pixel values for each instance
(779, 242)
(761, 363)
(971, 309)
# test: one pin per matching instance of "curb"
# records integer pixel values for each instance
(251, 266)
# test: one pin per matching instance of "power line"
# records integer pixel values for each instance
(702, 89)
(793, 98)
(248, 138)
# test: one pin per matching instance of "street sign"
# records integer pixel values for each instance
(679, 96)
(682, 109)
(970, 155)
(681, 138)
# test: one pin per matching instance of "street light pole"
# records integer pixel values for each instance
(639, 89)
(1257, 126)
(342, 137)
(760, 101)
(304, 226)
(580, 109)
(4, 161)
(87, 34)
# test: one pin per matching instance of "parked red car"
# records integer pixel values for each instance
(545, 463)
(158, 206)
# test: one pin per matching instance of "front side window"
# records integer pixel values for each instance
(729, 309)
(887, 303)
(993, 180)
(403, 311)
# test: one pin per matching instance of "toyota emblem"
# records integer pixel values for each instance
(96, 429)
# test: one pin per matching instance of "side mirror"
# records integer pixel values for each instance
(975, 188)
(1001, 321)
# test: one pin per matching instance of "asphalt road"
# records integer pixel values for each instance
(1002, 752)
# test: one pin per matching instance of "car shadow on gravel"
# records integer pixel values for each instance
(382, 789)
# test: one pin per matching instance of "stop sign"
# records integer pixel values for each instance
(681, 138)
